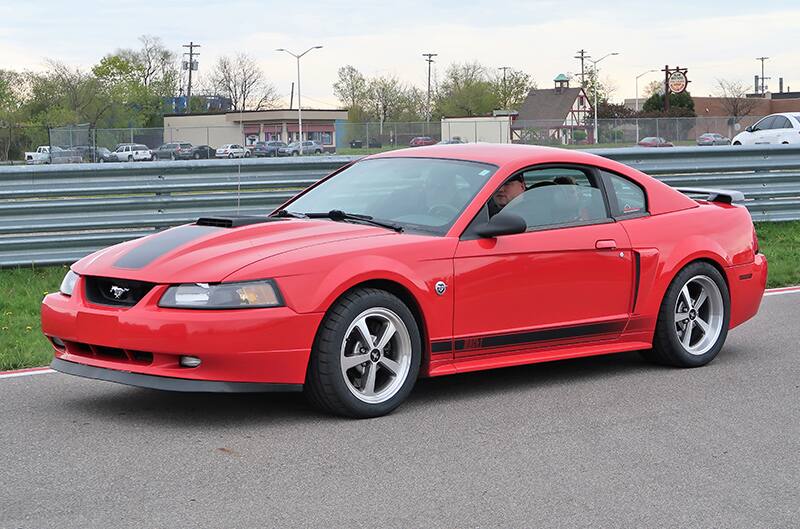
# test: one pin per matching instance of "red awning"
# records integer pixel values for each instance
(252, 129)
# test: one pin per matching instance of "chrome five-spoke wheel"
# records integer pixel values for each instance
(693, 319)
(699, 314)
(376, 355)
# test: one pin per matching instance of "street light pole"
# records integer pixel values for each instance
(299, 103)
(596, 80)
(636, 100)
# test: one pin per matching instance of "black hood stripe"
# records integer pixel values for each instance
(160, 244)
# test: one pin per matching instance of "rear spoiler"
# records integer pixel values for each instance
(714, 195)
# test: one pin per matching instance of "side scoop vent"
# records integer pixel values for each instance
(233, 222)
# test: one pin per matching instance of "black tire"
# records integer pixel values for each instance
(318, 151)
(172, 156)
(230, 155)
(667, 348)
(130, 157)
(295, 153)
(325, 385)
(196, 156)
(736, 143)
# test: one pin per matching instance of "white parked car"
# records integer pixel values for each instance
(776, 129)
(232, 150)
(132, 152)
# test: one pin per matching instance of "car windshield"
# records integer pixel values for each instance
(422, 194)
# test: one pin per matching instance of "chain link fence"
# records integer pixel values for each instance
(83, 143)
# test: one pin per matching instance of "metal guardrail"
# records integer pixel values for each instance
(58, 214)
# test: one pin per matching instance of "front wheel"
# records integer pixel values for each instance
(366, 355)
(737, 143)
(693, 320)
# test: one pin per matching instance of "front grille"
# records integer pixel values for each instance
(116, 292)
(109, 353)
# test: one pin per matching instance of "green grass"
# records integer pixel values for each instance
(780, 242)
(21, 290)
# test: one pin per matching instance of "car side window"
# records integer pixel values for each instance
(626, 197)
(559, 196)
(781, 122)
(764, 124)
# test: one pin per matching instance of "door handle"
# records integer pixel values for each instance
(605, 244)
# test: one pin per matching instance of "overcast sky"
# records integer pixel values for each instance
(713, 38)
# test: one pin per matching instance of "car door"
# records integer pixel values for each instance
(762, 131)
(568, 279)
(781, 129)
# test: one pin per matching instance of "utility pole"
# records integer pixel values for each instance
(191, 65)
(505, 88)
(429, 59)
(582, 55)
(763, 87)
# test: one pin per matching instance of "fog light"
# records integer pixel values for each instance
(189, 361)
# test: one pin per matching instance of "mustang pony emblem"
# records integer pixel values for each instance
(118, 292)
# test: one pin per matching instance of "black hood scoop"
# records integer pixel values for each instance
(233, 222)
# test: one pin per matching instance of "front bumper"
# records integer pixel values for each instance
(167, 383)
(262, 346)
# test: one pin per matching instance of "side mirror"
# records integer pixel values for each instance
(749, 129)
(502, 224)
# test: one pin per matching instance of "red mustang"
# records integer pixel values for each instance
(424, 262)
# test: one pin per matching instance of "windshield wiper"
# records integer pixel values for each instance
(339, 215)
(287, 213)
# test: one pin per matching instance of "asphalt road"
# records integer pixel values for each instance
(601, 442)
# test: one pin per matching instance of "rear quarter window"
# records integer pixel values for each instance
(626, 197)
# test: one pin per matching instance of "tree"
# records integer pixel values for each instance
(352, 90)
(385, 97)
(241, 80)
(512, 89)
(605, 88)
(733, 100)
(680, 105)
(654, 87)
(465, 90)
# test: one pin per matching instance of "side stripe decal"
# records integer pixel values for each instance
(471, 343)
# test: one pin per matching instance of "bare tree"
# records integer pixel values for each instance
(241, 80)
(734, 101)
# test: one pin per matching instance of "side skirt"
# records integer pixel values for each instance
(534, 357)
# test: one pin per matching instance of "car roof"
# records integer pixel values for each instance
(493, 153)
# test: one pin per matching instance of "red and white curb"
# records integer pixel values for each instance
(26, 372)
(780, 291)
(45, 370)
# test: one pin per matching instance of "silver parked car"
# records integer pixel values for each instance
(712, 138)
(307, 147)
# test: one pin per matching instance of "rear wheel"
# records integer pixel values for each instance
(366, 356)
(693, 320)
(737, 143)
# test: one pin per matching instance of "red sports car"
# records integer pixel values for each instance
(423, 262)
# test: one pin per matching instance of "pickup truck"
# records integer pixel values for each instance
(45, 155)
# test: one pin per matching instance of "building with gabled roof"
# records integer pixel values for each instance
(553, 114)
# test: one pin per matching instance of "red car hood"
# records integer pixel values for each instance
(207, 254)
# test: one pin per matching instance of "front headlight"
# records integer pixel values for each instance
(68, 283)
(250, 295)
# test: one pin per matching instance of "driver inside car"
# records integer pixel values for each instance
(511, 189)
